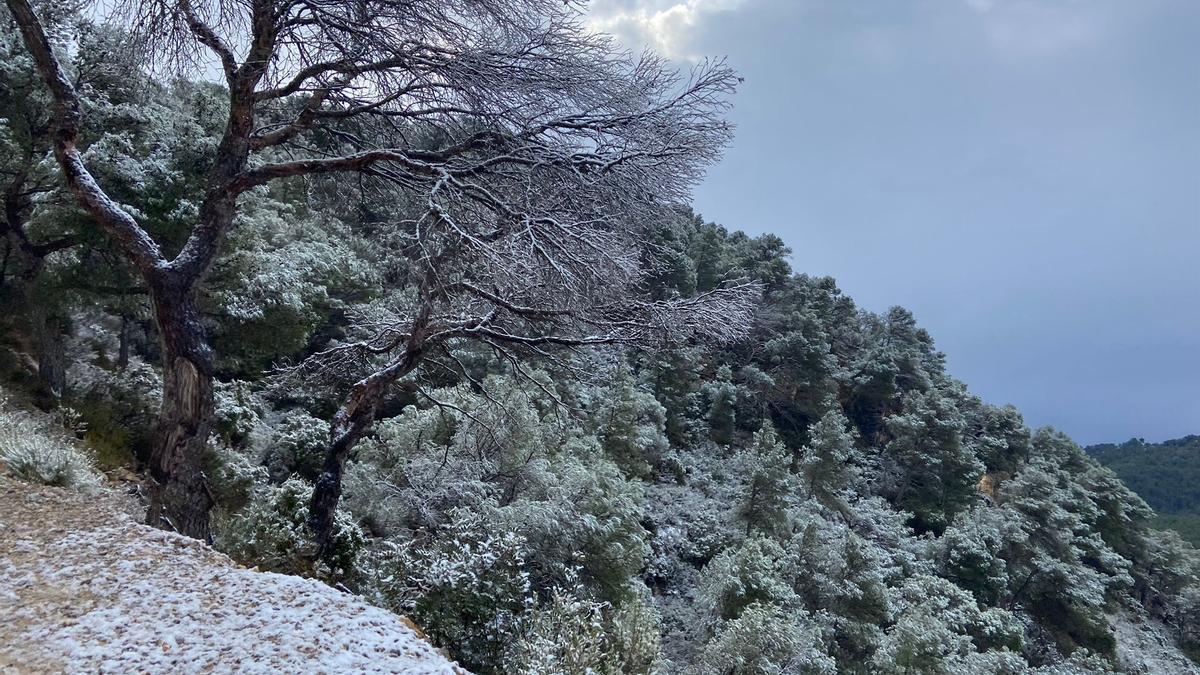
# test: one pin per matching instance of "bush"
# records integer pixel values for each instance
(272, 533)
(766, 640)
(34, 452)
(297, 447)
(467, 587)
(120, 410)
(572, 636)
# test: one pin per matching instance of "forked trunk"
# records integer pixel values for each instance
(180, 498)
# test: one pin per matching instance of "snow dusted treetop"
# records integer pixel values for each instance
(531, 148)
(476, 101)
(531, 152)
(534, 149)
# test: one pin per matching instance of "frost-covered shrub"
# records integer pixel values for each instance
(297, 447)
(32, 451)
(766, 640)
(937, 623)
(580, 514)
(771, 485)
(739, 577)
(272, 533)
(722, 395)
(571, 636)
(634, 633)
(692, 521)
(971, 552)
(631, 426)
(232, 477)
(237, 412)
(1187, 621)
(119, 408)
(285, 269)
(931, 471)
(846, 577)
(563, 637)
(467, 587)
(1068, 573)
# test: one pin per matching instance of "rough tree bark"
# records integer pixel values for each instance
(179, 495)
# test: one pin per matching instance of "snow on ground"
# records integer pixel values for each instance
(1143, 646)
(85, 588)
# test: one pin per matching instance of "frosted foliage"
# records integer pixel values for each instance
(467, 587)
(766, 640)
(237, 411)
(937, 623)
(933, 473)
(570, 636)
(297, 445)
(31, 449)
(737, 578)
(139, 385)
(288, 258)
(972, 551)
(722, 396)
(828, 461)
(771, 485)
(272, 533)
(460, 452)
(1188, 617)
(631, 426)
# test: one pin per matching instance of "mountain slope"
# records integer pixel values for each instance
(83, 587)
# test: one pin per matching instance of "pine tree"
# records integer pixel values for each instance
(827, 462)
(722, 406)
(765, 505)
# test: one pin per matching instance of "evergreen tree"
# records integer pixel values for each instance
(722, 407)
(771, 485)
(827, 463)
(932, 472)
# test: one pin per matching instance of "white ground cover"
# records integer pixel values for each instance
(85, 588)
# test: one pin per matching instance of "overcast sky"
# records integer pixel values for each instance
(1024, 175)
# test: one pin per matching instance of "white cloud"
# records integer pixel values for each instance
(666, 26)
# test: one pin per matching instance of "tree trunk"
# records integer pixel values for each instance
(179, 495)
(123, 344)
(349, 425)
(50, 333)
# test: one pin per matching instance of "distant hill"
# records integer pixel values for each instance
(1166, 475)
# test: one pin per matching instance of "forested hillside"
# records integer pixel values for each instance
(470, 356)
(1166, 475)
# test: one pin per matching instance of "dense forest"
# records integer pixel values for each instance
(420, 311)
(1166, 475)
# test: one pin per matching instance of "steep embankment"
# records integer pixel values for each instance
(85, 588)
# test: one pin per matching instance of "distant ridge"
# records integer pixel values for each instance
(1166, 475)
